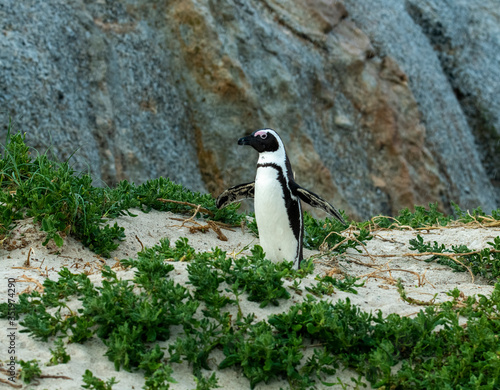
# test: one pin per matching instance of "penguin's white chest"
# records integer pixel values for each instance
(275, 231)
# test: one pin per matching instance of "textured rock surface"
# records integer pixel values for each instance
(450, 50)
(377, 109)
(466, 37)
(96, 78)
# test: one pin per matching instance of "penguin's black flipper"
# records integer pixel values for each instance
(315, 201)
(236, 193)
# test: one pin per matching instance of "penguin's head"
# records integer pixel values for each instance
(266, 140)
(270, 147)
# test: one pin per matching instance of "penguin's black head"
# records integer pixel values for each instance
(262, 140)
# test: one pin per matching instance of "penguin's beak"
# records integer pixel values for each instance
(245, 140)
(253, 141)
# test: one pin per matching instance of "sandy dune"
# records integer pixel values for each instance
(25, 259)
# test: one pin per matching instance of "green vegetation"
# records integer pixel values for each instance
(326, 285)
(485, 262)
(326, 234)
(30, 370)
(160, 378)
(421, 217)
(66, 203)
(427, 217)
(59, 354)
(206, 383)
(92, 382)
(150, 323)
(132, 317)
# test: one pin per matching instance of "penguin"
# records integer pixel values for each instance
(277, 197)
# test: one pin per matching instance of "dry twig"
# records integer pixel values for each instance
(195, 206)
(27, 262)
(26, 279)
(198, 227)
(15, 385)
(448, 255)
(324, 246)
(421, 278)
(54, 377)
(191, 219)
(140, 242)
(217, 230)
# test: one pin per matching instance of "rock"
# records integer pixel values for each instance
(439, 46)
(141, 89)
(466, 38)
(102, 87)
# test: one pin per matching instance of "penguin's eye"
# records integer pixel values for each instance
(263, 135)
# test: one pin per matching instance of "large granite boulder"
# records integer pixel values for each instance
(381, 104)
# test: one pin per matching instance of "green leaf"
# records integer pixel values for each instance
(58, 240)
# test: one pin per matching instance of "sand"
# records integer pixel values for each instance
(25, 259)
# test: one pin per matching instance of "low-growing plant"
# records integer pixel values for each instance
(55, 196)
(92, 382)
(477, 214)
(196, 344)
(59, 354)
(42, 325)
(207, 383)
(316, 231)
(65, 202)
(125, 320)
(260, 278)
(262, 354)
(149, 195)
(30, 370)
(326, 234)
(160, 379)
(484, 262)
(427, 217)
(327, 284)
(421, 217)
(428, 348)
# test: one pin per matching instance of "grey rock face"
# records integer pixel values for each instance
(466, 38)
(363, 101)
(395, 28)
(99, 81)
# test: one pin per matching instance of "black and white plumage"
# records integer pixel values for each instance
(277, 199)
